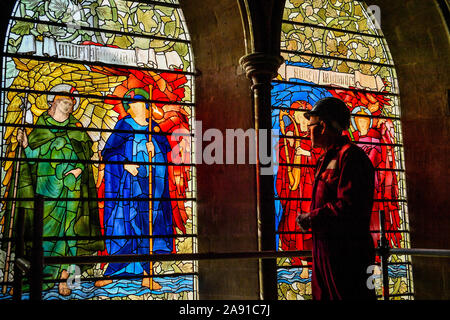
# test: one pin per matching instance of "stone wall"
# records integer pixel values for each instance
(419, 42)
(226, 193)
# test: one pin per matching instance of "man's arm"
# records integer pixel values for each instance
(354, 194)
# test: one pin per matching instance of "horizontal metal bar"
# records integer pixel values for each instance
(305, 24)
(309, 265)
(390, 200)
(94, 96)
(125, 237)
(93, 29)
(90, 63)
(172, 257)
(125, 277)
(355, 142)
(336, 88)
(88, 129)
(313, 166)
(116, 277)
(292, 198)
(422, 252)
(390, 231)
(397, 295)
(309, 232)
(81, 199)
(128, 237)
(323, 56)
(167, 164)
(351, 115)
(309, 199)
(218, 256)
(401, 263)
(159, 3)
(215, 256)
(379, 143)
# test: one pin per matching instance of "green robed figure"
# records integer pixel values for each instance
(60, 180)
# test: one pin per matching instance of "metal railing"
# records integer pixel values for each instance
(35, 265)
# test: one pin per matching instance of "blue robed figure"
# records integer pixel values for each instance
(130, 217)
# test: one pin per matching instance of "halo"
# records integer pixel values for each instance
(64, 88)
(355, 111)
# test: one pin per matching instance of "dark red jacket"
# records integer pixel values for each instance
(340, 219)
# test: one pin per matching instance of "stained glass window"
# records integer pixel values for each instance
(92, 94)
(334, 48)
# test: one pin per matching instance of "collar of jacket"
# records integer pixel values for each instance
(333, 149)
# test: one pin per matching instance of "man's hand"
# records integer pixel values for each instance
(132, 168)
(22, 138)
(76, 172)
(300, 151)
(150, 149)
(304, 221)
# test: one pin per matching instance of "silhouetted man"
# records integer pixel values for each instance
(341, 206)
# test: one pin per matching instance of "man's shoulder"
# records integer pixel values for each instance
(74, 122)
(126, 123)
(42, 118)
(352, 151)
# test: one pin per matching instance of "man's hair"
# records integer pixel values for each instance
(333, 112)
(51, 110)
(332, 124)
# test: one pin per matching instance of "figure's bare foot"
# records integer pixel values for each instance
(102, 283)
(150, 283)
(305, 271)
(63, 289)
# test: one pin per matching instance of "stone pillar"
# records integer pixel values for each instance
(261, 68)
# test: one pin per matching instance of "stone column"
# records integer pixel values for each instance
(261, 68)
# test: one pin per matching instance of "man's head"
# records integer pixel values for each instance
(138, 94)
(63, 103)
(327, 119)
(63, 94)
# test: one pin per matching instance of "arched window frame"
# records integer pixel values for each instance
(300, 84)
(181, 101)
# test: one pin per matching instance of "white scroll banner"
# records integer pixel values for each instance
(332, 78)
(92, 53)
